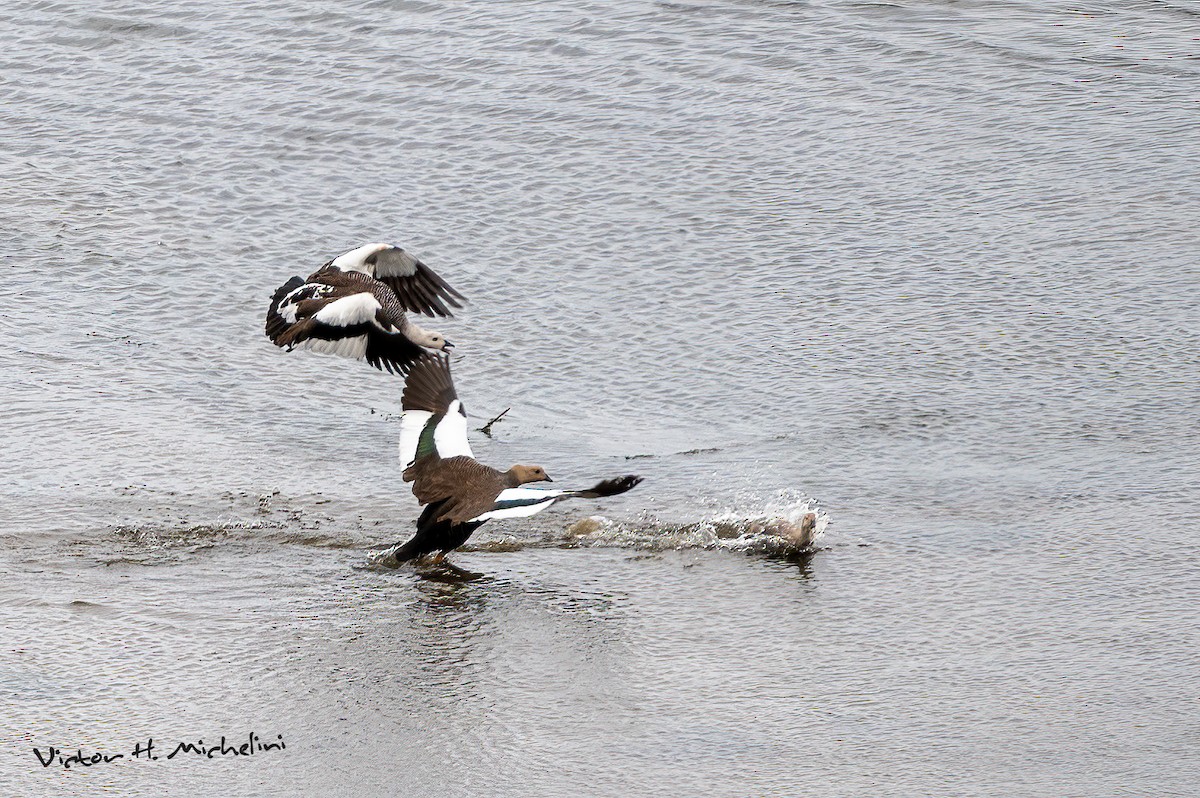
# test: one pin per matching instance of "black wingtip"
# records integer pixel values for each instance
(275, 324)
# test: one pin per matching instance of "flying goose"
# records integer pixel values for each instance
(460, 493)
(354, 306)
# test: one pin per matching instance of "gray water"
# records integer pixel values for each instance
(926, 268)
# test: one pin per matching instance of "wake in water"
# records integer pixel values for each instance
(180, 527)
(789, 525)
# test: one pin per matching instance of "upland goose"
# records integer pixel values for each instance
(459, 492)
(354, 306)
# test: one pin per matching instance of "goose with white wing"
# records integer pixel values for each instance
(355, 306)
(460, 493)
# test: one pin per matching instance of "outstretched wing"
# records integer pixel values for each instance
(391, 352)
(433, 419)
(417, 286)
(522, 502)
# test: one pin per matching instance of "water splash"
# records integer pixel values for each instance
(790, 525)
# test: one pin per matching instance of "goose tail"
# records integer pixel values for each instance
(605, 487)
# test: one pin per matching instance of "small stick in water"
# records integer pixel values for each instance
(486, 429)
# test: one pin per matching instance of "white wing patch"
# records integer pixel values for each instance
(354, 347)
(450, 437)
(287, 311)
(353, 261)
(287, 308)
(521, 503)
(411, 424)
(348, 311)
(527, 494)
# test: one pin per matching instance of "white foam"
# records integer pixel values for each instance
(779, 525)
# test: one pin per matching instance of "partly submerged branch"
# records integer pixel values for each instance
(486, 429)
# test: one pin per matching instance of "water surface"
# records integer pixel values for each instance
(929, 267)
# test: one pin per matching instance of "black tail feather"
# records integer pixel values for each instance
(609, 487)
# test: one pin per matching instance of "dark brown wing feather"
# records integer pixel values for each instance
(417, 286)
(276, 324)
(391, 351)
(429, 385)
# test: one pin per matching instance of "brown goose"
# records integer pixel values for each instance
(459, 492)
(354, 306)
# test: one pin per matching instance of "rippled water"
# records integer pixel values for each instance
(928, 268)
